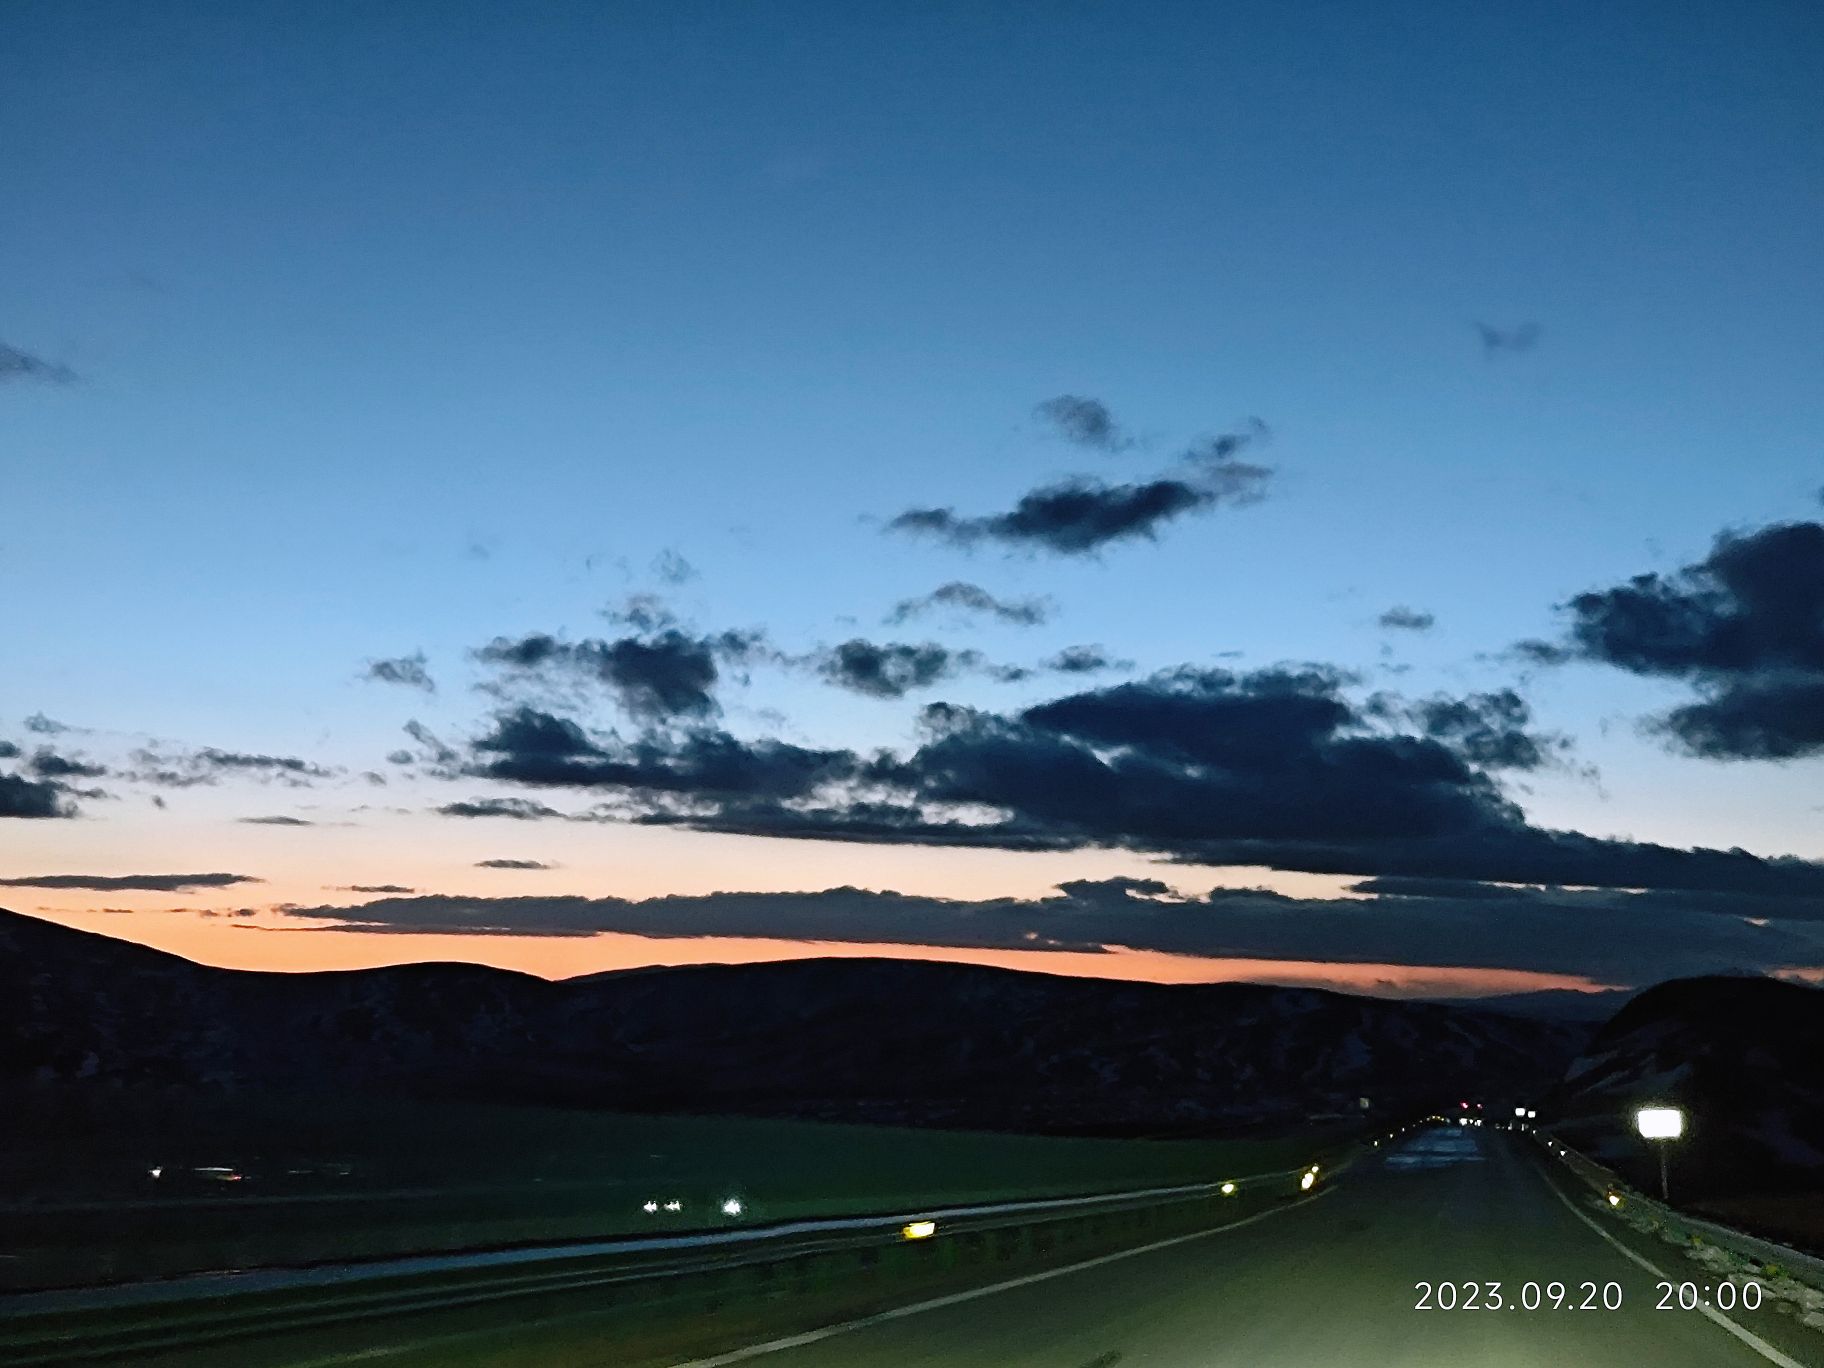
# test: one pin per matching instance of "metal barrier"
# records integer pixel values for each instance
(1679, 1228)
(112, 1324)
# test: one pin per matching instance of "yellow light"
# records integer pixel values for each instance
(919, 1230)
(1304, 1184)
(1228, 1189)
(1614, 1199)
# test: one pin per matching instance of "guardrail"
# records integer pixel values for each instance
(187, 1314)
(1769, 1259)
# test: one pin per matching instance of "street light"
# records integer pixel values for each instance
(1662, 1125)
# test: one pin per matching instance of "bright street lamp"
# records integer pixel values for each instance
(1662, 1125)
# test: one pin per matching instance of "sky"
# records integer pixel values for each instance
(1289, 491)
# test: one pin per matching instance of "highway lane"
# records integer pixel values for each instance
(1331, 1284)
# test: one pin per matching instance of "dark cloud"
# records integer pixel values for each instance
(1079, 660)
(1461, 889)
(407, 670)
(9, 750)
(209, 765)
(1087, 422)
(149, 883)
(1116, 891)
(892, 669)
(47, 764)
(275, 821)
(520, 809)
(1519, 853)
(46, 726)
(432, 750)
(1770, 719)
(663, 675)
(22, 797)
(1275, 768)
(528, 746)
(1490, 730)
(1078, 517)
(966, 597)
(1610, 937)
(22, 365)
(529, 652)
(1522, 337)
(667, 676)
(1279, 768)
(1227, 446)
(512, 864)
(373, 888)
(1744, 627)
(1401, 618)
(643, 613)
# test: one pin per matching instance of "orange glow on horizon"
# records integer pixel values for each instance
(259, 944)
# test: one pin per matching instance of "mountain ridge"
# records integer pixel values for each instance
(904, 1042)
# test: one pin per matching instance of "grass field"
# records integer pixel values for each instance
(339, 1178)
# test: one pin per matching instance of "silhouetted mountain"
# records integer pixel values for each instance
(1741, 1055)
(904, 1042)
(1550, 1004)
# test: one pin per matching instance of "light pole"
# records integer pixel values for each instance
(1661, 1125)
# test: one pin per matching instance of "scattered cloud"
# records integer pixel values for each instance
(528, 746)
(1744, 627)
(46, 726)
(1404, 619)
(409, 670)
(1073, 518)
(22, 365)
(1079, 516)
(513, 864)
(672, 568)
(372, 888)
(519, 809)
(209, 765)
(48, 764)
(280, 821)
(892, 669)
(1227, 446)
(663, 675)
(148, 883)
(1490, 730)
(431, 749)
(642, 612)
(972, 598)
(1086, 422)
(1080, 660)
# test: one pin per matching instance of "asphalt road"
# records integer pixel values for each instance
(1331, 1284)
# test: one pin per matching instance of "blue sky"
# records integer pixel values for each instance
(400, 328)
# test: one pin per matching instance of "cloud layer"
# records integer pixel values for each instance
(1619, 938)
(1280, 768)
(962, 596)
(1744, 627)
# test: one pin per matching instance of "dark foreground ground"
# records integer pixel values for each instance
(1331, 1284)
(1327, 1282)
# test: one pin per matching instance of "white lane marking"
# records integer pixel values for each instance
(1747, 1337)
(457, 1337)
(955, 1298)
